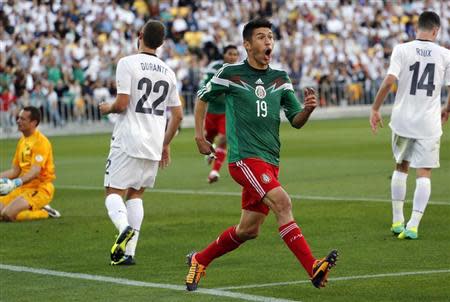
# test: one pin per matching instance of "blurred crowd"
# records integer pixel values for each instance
(61, 55)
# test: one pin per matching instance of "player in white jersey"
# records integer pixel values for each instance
(146, 86)
(421, 68)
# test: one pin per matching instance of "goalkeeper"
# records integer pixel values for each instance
(26, 189)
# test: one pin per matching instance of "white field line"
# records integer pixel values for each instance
(445, 271)
(294, 196)
(121, 281)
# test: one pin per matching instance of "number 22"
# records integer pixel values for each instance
(148, 89)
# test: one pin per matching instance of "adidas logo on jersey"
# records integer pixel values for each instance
(259, 82)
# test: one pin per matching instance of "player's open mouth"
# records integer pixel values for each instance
(267, 53)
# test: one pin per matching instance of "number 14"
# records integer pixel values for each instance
(427, 72)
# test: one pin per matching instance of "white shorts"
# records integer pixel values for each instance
(123, 172)
(420, 153)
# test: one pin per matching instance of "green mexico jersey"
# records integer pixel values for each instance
(253, 99)
(218, 106)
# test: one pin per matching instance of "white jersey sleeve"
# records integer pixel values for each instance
(123, 78)
(396, 62)
(173, 99)
(151, 85)
(422, 68)
(447, 72)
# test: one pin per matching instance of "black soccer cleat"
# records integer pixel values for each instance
(118, 248)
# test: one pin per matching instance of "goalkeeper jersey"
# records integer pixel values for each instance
(35, 149)
(253, 99)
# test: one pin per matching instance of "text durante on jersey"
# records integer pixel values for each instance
(154, 67)
(423, 52)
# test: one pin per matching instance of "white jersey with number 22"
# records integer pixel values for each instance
(151, 85)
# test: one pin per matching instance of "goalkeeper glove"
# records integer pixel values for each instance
(7, 185)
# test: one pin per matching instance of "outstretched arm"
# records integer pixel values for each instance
(375, 116)
(310, 104)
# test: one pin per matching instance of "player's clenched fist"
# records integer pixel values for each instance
(310, 99)
(105, 108)
(204, 147)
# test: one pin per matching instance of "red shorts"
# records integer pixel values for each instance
(257, 178)
(214, 124)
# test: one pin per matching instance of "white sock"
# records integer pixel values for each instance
(398, 194)
(421, 197)
(135, 216)
(117, 211)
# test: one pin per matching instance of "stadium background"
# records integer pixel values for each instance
(336, 172)
(61, 56)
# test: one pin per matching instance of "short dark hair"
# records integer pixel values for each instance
(35, 113)
(228, 47)
(429, 20)
(153, 34)
(254, 24)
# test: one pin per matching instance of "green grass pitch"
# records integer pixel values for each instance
(338, 175)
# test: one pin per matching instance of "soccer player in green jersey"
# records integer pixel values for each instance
(254, 96)
(215, 116)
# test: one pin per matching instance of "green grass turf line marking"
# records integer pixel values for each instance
(122, 281)
(294, 196)
(388, 275)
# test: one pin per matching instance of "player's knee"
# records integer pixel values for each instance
(247, 233)
(402, 167)
(283, 206)
(7, 216)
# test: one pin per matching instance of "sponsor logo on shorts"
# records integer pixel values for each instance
(265, 178)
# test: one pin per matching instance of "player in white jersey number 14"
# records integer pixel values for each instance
(421, 68)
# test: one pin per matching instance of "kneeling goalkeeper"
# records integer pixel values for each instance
(27, 189)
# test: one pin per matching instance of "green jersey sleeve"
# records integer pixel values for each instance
(289, 102)
(205, 79)
(218, 85)
(209, 72)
